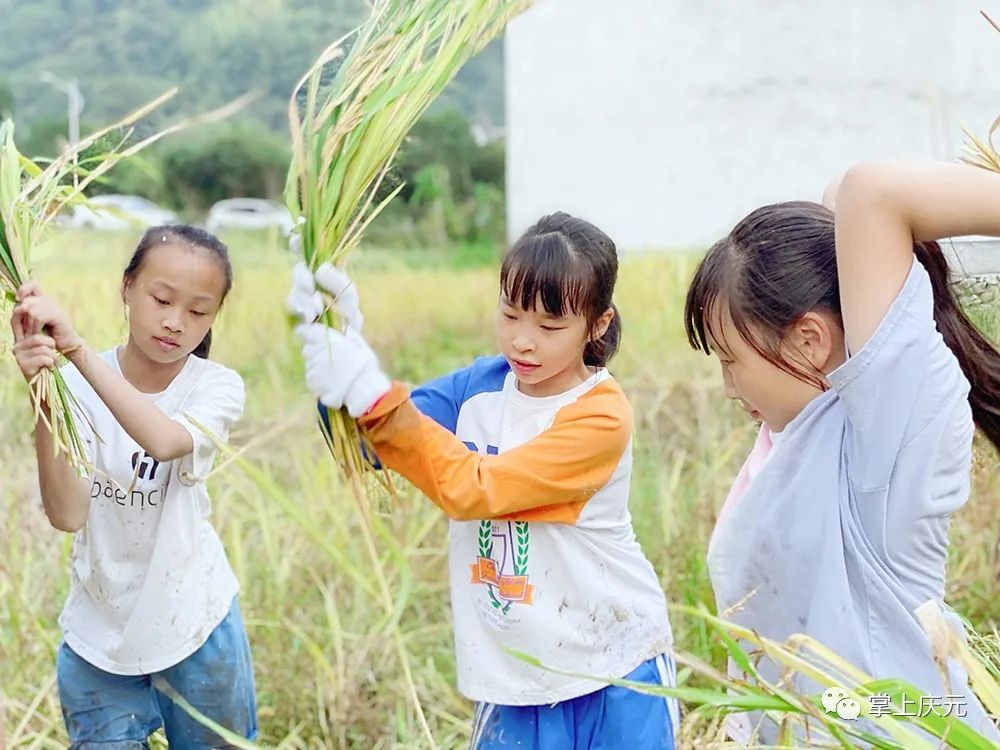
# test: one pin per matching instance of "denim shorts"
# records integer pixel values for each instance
(105, 711)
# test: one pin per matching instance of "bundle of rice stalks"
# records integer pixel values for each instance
(348, 115)
(347, 124)
(31, 196)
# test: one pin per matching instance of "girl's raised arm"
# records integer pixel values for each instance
(163, 438)
(882, 209)
(65, 495)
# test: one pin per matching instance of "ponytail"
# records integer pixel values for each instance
(204, 347)
(598, 352)
(978, 358)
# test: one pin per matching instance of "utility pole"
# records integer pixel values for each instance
(75, 102)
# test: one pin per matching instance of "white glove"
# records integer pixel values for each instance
(341, 369)
(295, 237)
(306, 301)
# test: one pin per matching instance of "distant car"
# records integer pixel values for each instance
(116, 213)
(249, 213)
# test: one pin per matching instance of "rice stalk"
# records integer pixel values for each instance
(986, 647)
(233, 739)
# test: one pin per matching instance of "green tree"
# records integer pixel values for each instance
(242, 159)
(439, 138)
(489, 164)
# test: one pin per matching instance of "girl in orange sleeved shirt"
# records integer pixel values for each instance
(529, 454)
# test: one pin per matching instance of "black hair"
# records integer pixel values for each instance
(183, 234)
(780, 262)
(571, 266)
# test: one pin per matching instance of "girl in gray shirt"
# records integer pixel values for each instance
(840, 333)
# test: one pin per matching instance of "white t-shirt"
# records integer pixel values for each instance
(149, 579)
(566, 582)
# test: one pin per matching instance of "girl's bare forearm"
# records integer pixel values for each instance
(161, 437)
(65, 495)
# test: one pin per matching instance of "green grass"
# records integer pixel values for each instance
(327, 671)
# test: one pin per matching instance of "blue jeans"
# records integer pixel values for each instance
(610, 718)
(105, 711)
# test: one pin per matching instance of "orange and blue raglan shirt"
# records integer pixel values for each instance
(543, 557)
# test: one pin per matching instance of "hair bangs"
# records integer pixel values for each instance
(546, 272)
(702, 309)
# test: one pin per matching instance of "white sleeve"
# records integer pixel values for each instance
(214, 405)
(903, 378)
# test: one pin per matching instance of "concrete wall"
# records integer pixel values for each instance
(665, 121)
(974, 256)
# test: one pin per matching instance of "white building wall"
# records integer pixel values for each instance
(665, 121)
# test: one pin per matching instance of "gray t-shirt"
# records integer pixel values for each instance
(844, 532)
